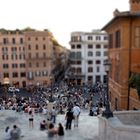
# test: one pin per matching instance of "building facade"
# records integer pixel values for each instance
(124, 52)
(88, 52)
(28, 57)
(12, 57)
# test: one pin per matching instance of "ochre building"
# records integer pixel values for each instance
(28, 57)
(124, 53)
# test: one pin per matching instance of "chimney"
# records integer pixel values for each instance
(134, 6)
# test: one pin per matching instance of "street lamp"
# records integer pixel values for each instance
(107, 113)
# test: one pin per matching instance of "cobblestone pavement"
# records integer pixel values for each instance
(87, 130)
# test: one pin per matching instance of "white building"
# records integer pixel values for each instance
(88, 52)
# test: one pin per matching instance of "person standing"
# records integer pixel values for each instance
(31, 119)
(69, 118)
(76, 114)
(53, 115)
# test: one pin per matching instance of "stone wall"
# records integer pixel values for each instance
(120, 127)
(128, 117)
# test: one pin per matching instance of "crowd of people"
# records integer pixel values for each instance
(69, 104)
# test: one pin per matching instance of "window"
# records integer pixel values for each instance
(98, 38)
(29, 55)
(90, 78)
(20, 56)
(29, 38)
(44, 47)
(14, 57)
(73, 47)
(5, 57)
(97, 69)
(44, 38)
(105, 53)
(105, 79)
(21, 40)
(90, 38)
(90, 46)
(23, 56)
(78, 55)
(98, 62)
(98, 53)
(5, 50)
(29, 47)
(30, 64)
(105, 37)
(5, 40)
(23, 74)
(90, 53)
(76, 38)
(13, 40)
(36, 46)
(5, 66)
(110, 41)
(36, 38)
(30, 75)
(137, 37)
(79, 46)
(44, 73)
(117, 39)
(90, 62)
(44, 64)
(90, 69)
(98, 46)
(14, 65)
(14, 49)
(37, 73)
(15, 74)
(6, 75)
(98, 78)
(22, 65)
(79, 70)
(78, 62)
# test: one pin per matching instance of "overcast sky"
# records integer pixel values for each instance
(61, 17)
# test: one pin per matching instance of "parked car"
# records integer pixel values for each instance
(13, 89)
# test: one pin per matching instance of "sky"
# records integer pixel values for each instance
(61, 17)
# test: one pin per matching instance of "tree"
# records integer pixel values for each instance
(134, 82)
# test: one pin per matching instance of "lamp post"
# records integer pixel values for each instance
(107, 113)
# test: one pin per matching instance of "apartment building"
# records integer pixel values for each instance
(124, 53)
(88, 52)
(28, 57)
(39, 57)
(12, 57)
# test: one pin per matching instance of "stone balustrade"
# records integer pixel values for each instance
(125, 125)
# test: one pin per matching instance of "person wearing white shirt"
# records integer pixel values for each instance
(76, 113)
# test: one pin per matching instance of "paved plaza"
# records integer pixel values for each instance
(87, 130)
